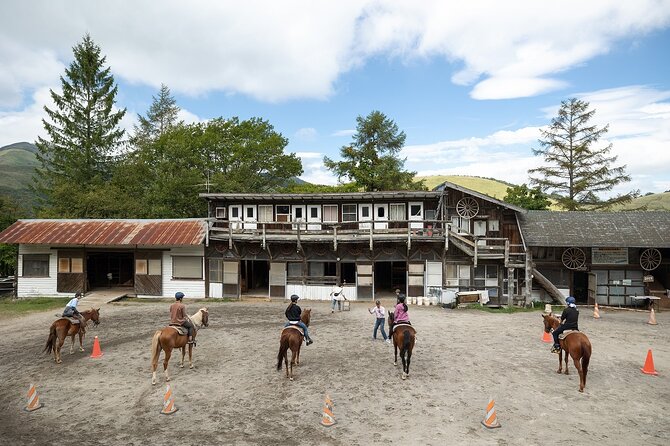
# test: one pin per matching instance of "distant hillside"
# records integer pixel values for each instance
(653, 202)
(17, 167)
(488, 186)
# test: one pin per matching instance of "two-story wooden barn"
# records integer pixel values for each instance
(423, 243)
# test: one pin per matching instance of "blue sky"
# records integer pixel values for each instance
(470, 84)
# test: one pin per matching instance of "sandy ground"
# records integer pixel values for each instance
(234, 395)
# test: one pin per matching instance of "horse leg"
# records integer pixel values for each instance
(293, 356)
(297, 354)
(567, 356)
(190, 356)
(59, 345)
(183, 354)
(81, 340)
(395, 347)
(560, 360)
(154, 365)
(72, 344)
(168, 353)
(404, 364)
(578, 366)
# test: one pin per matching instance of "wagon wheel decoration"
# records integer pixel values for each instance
(650, 259)
(467, 207)
(574, 258)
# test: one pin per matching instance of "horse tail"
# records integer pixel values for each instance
(155, 346)
(51, 341)
(405, 342)
(283, 348)
(586, 357)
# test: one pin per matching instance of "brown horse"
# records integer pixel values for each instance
(576, 345)
(62, 328)
(403, 337)
(169, 338)
(291, 337)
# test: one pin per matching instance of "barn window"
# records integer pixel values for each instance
(348, 212)
(397, 212)
(330, 213)
(36, 265)
(216, 270)
(265, 213)
(187, 267)
(221, 213)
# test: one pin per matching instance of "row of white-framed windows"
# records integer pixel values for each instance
(349, 212)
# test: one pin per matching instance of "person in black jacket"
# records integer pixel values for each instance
(569, 321)
(293, 313)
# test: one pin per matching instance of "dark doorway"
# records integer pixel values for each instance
(580, 286)
(109, 269)
(255, 277)
(390, 276)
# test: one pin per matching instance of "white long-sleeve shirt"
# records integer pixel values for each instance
(73, 302)
(378, 311)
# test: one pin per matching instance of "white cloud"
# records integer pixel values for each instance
(347, 132)
(306, 134)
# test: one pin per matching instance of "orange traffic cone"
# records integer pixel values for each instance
(491, 421)
(652, 318)
(327, 419)
(596, 313)
(97, 353)
(648, 368)
(546, 337)
(33, 399)
(168, 402)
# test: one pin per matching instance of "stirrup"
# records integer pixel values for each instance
(308, 341)
(554, 349)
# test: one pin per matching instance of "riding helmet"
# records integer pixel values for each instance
(570, 300)
(179, 295)
(294, 298)
(401, 297)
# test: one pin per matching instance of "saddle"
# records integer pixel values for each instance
(566, 333)
(401, 324)
(181, 331)
(73, 320)
(294, 327)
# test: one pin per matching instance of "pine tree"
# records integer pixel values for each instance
(83, 137)
(372, 158)
(161, 116)
(578, 169)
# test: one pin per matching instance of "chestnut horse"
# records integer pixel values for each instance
(576, 345)
(404, 337)
(291, 337)
(169, 338)
(62, 328)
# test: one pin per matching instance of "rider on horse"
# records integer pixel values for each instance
(178, 316)
(569, 321)
(71, 311)
(400, 316)
(293, 313)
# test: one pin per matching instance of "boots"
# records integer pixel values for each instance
(191, 341)
(308, 340)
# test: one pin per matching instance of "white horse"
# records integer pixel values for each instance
(168, 338)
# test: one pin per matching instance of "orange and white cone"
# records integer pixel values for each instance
(491, 421)
(97, 353)
(596, 313)
(546, 337)
(648, 368)
(33, 399)
(168, 402)
(327, 419)
(652, 318)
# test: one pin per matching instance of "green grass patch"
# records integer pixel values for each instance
(18, 307)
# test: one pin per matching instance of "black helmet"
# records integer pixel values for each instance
(294, 298)
(179, 295)
(401, 298)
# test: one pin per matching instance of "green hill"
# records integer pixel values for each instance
(17, 167)
(652, 202)
(488, 186)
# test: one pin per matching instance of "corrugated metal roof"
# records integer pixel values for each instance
(650, 229)
(183, 232)
(354, 196)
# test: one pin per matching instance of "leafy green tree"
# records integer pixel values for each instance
(162, 115)
(78, 157)
(308, 188)
(371, 160)
(527, 198)
(578, 169)
(9, 213)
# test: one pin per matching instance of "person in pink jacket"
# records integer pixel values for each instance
(401, 315)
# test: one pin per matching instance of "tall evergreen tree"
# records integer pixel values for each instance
(83, 137)
(372, 158)
(161, 116)
(577, 168)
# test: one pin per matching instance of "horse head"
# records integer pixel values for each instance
(94, 315)
(205, 317)
(391, 318)
(306, 316)
(549, 322)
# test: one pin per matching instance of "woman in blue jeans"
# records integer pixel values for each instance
(380, 317)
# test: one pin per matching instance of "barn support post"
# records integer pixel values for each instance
(510, 287)
(529, 277)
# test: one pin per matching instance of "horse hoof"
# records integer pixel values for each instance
(153, 382)
(191, 366)
(181, 366)
(167, 379)
(81, 349)
(581, 390)
(403, 376)
(290, 379)
(395, 364)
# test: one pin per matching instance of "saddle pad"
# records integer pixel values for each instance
(295, 327)
(72, 320)
(401, 324)
(181, 330)
(566, 333)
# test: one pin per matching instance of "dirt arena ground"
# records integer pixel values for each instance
(234, 395)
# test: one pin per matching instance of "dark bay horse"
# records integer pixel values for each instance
(404, 338)
(62, 328)
(169, 338)
(291, 337)
(576, 345)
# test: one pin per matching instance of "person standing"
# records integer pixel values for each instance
(178, 316)
(380, 317)
(336, 298)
